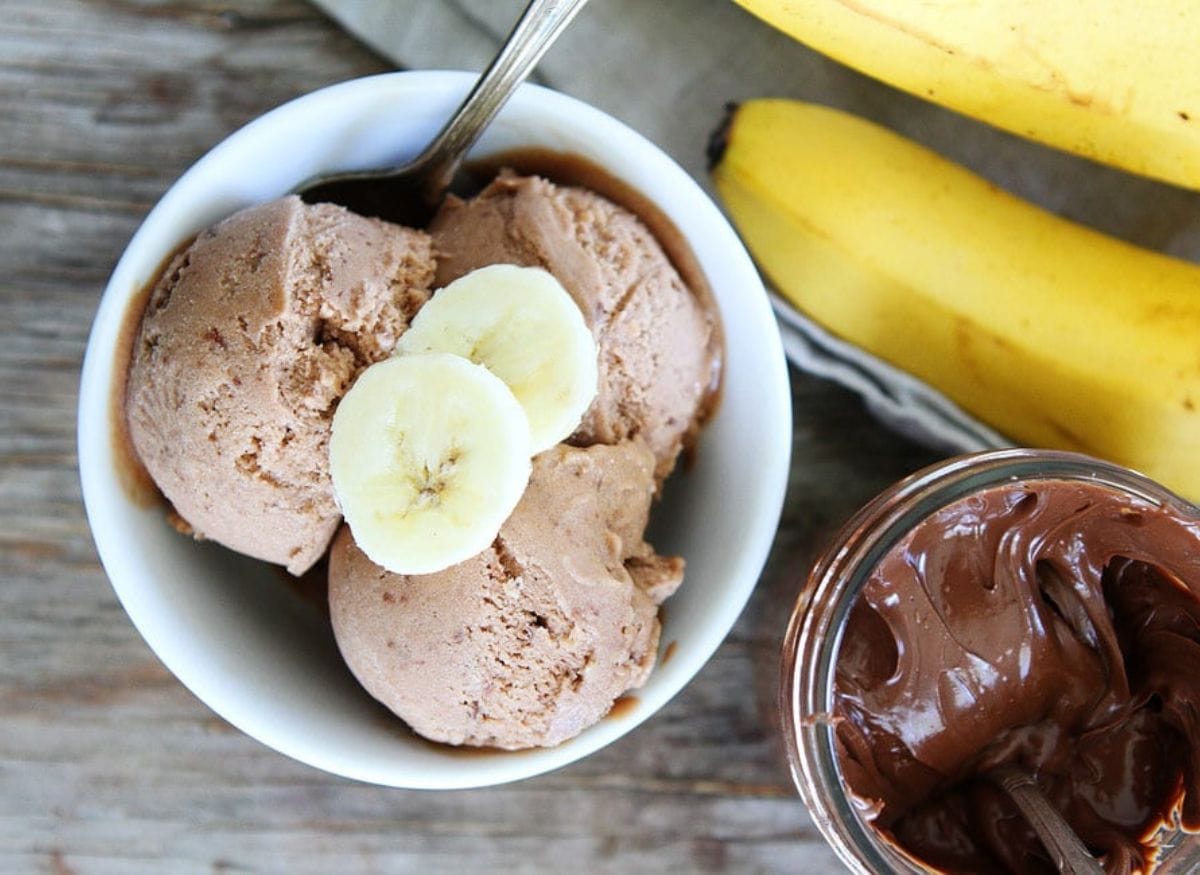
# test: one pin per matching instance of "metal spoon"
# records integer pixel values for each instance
(1067, 851)
(411, 194)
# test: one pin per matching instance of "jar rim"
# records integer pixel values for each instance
(818, 619)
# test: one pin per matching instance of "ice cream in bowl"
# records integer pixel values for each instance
(596, 479)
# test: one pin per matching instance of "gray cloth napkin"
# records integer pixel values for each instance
(668, 67)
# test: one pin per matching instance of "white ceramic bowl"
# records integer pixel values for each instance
(240, 638)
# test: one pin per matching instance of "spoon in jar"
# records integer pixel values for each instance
(1068, 853)
(411, 194)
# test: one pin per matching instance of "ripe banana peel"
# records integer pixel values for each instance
(1054, 334)
(1112, 80)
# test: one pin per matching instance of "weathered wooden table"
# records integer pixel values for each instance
(107, 764)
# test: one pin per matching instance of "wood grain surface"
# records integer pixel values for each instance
(107, 764)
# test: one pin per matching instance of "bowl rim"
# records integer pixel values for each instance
(99, 480)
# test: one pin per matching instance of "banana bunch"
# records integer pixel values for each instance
(1054, 334)
(431, 449)
(1111, 80)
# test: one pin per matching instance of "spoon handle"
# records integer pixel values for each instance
(1070, 855)
(540, 24)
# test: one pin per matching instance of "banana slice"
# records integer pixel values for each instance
(524, 327)
(429, 455)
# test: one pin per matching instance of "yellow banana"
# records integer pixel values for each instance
(1054, 334)
(1113, 80)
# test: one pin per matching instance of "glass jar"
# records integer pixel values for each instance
(814, 635)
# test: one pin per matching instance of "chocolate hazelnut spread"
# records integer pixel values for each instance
(1050, 625)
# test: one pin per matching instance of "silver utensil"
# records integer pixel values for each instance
(1066, 849)
(411, 194)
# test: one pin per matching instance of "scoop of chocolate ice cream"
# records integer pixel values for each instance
(531, 641)
(248, 340)
(657, 342)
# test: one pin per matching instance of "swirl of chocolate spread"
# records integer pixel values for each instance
(1050, 625)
